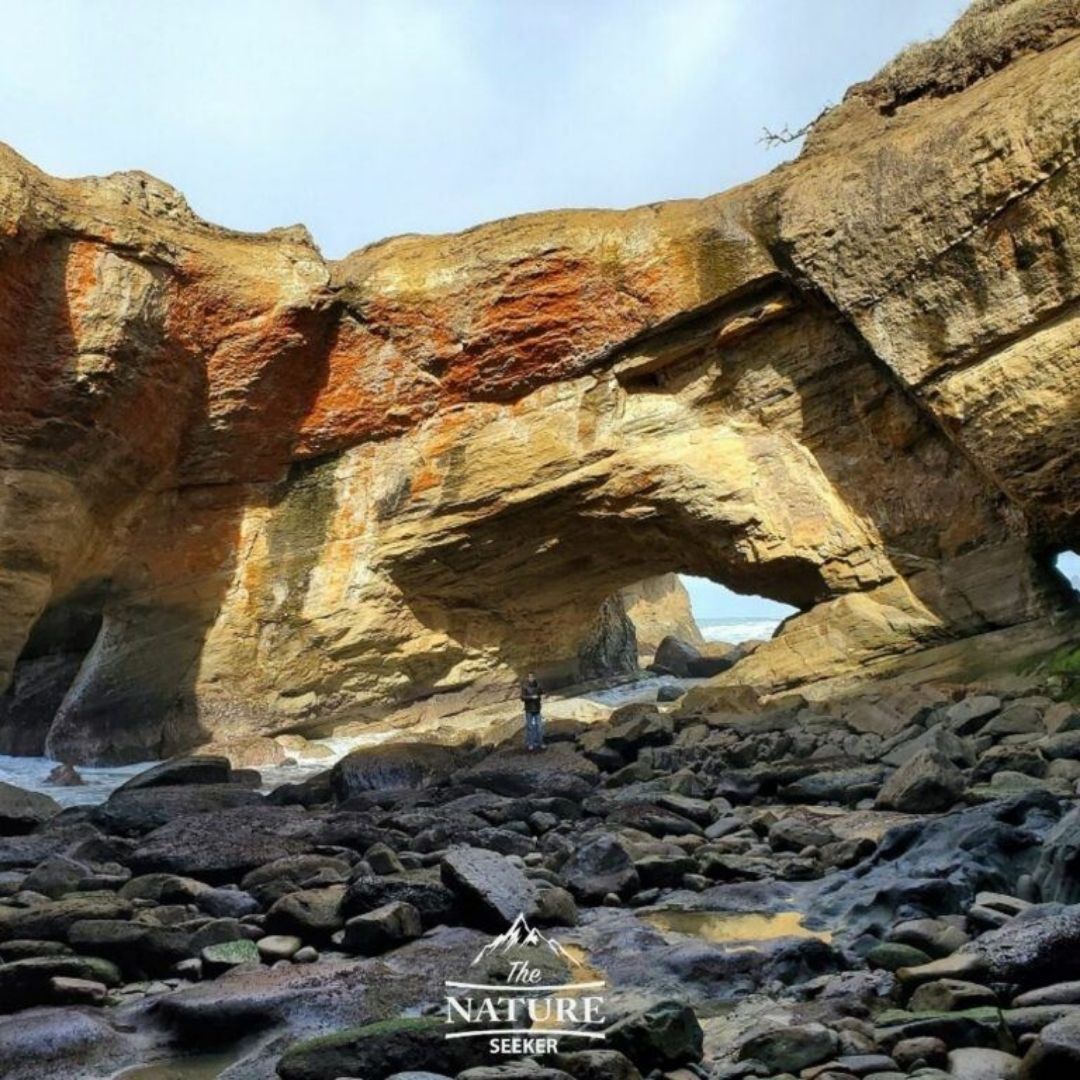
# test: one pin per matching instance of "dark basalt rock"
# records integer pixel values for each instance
(557, 771)
(393, 766)
(379, 1050)
(224, 845)
(492, 891)
(435, 902)
(196, 769)
(22, 811)
(141, 810)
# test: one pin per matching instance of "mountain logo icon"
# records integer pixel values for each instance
(521, 935)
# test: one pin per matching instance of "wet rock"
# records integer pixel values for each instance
(965, 967)
(228, 954)
(141, 950)
(791, 1049)
(1057, 873)
(24, 983)
(891, 956)
(670, 692)
(926, 783)
(982, 1063)
(492, 891)
(381, 1049)
(279, 877)
(195, 769)
(846, 785)
(1065, 744)
(558, 771)
(385, 928)
(393, 766)
(1031, 951)
(65, 775)
(598, 867)
(57, 876)
(224, 845)
(597, 1065)
(1055, 1054)
(908, 1053)
(139, 811)
(950, 995)
(278, 947)
(663, 1036)
(435, 902)
(311, 914)
(53, 919)
(794, 834)
(1067, 993)
(37, 1044)
(676, 656)
(970, 715)
(21, 811)
(927, 867)
(383, 859)
(935, 937)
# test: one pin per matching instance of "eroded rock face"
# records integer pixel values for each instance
(246, 490)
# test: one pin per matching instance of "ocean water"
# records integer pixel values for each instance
(734, 631)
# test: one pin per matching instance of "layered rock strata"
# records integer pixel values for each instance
(247, 490)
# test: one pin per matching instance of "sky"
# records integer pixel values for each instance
(363, 119)
(367, 118)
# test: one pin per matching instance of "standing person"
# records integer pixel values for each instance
(531, 695)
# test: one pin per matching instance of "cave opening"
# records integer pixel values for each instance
(50, 660)
(1067, 564)
(677, 624)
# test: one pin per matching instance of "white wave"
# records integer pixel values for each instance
(734, 631)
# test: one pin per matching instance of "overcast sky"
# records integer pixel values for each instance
(366, 118)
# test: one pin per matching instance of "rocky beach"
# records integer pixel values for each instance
(881, 887)
(281, 535)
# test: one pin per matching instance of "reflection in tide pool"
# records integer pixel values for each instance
(190, 1067)
(743, 929)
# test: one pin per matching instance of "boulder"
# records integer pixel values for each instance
(52, 920)
(194, 769)
(844, 785)
(382, 1049)
(982, 1063)
(392, 766)
(385, 928)
(435, 902)
(1034, 949)
(491, 890)
(598, 867)
(141, 950)
(970, 715)
(794, 834)
(557, 772)
(1055, 1054)
(675, 656)
(663, 1036)
(928, 782)
(24, 983)
(22, 811)
(227, 844)
(219, 958)
(141, 810)
(792, 1048)
(312, 914)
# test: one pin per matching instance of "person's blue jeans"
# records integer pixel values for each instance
(534, 731)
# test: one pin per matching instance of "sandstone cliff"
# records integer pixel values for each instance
(246, 490)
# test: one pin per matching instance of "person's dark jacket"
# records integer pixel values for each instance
(531, 694)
